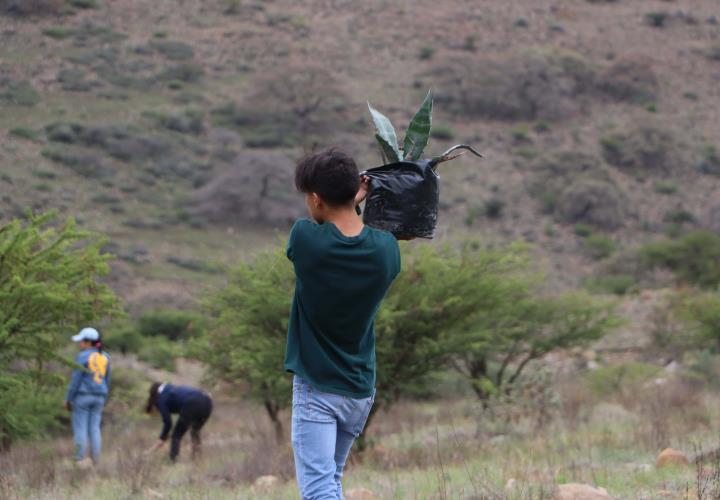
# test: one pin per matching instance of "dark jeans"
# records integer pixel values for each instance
(193, 415)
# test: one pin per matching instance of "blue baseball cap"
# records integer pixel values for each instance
(90, 334)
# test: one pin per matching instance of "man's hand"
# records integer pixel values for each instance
(363, 191)
(67, 405)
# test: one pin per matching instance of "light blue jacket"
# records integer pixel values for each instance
(94, 378)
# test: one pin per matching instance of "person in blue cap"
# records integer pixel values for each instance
(87, 393)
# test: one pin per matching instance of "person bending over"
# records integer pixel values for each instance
(193, 407)
(343, 270)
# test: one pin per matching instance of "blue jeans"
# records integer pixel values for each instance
(86, 417)
(324, 427)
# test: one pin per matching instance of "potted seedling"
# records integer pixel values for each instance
(405, 191)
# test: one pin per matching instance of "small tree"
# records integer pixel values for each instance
(48, 288)
(506, 339)
(288, 105)
(702, 311)
(695, 257)
(245, 343)
(438, 297)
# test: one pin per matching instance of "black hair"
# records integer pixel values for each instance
(152, 396)
(331, 174)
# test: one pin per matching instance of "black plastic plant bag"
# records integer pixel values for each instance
(403, 199)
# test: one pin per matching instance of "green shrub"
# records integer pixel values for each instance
(86, 165)
(187, 122)
(582, 230)
(710, 163)
(616, 284)
(32, 7)
(160, 353)
(70, 75)
(473, 212)
(232, 6)
(89, 32)
(678, 216)
(702, 312)
(57, 32)
(83, 4)
(548, 202)
(713, 53)
(30, 408)
(694, 258)
(666, 187)
(24, 133)
(171, 324)
(185, 72)
(129, 391)
(21, 93)
(44, 174)
(599, 246)
(657, 19)
(175, 51)
(426, 53)
(493, 208)
(105, 199)
(527, 153)
(520, 132)
(577, 188)
(626, 378)
(124, 338)
(442, 132)
(642, 149)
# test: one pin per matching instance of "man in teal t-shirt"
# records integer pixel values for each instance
(343, 270)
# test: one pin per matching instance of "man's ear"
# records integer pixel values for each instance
(316, 200)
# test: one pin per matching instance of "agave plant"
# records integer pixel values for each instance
(416, 137)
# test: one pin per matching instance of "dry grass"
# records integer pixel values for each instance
(441, 449)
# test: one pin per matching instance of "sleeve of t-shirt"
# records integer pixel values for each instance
(291, 242)
(398, 260)
(295, 238)
(107, 374)
(75, 380)
(166, 418)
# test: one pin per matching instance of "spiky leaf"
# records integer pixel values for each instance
(418, 131)
(446, 155)
(385, 134)
(389, 155)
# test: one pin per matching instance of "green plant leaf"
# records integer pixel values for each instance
(385, 134)
(418, 131)
(389, 155)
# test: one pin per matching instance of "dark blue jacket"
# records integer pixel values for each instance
(171, 400)
(93, 378)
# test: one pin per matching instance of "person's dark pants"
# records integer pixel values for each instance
(193, 415)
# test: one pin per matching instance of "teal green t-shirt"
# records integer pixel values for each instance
(340, 282)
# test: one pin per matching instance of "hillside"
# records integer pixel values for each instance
(173, 126)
